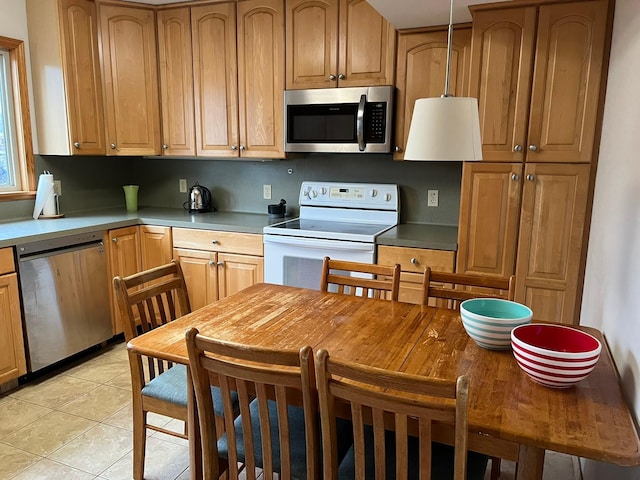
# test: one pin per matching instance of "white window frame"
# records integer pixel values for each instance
(15, 106)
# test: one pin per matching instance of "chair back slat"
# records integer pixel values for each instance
(455, 288)
(387, 401)
(272, 379)
(360, 279)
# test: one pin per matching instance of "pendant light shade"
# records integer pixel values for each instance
(444, 129)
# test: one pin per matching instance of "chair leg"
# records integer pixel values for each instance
(495, 468)
(139, 442)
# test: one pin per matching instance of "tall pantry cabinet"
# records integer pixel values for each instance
(537, 74)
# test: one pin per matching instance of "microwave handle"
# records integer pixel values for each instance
(360, 122)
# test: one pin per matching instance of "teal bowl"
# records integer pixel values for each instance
(489, 321)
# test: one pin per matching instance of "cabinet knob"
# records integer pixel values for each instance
(341, 76)
(332, 77)
(220, 264)
(242, 148)
(414, 261)
(215, 242)
(234, 147)
(517, 148)
(76, 144)
(531, 177)
(533, 148)
(114, 239)
(515, 177)
(397, 148)
(165, 146)
(211, 263)
(113, 146)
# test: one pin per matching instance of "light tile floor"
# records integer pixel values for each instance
(75, 424)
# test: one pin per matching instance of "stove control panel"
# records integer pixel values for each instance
(350, 195)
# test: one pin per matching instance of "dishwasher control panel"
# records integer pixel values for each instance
(57, 243)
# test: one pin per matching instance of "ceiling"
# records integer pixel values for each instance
(413, 13)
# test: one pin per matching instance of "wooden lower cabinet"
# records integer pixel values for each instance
(155, 246)
(217, 264)
(12, 357)
(412, 262)
(528, 221)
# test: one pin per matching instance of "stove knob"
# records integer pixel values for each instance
(324, 190)
(388, 197)
(314, 193)
(373, 193)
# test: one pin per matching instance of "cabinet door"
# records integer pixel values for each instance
(554, 203)
(261, 78)
(312, 43)
(12, 359)
(237, 272)
(422, 60)
(566, 81)
(489, 216)
(502, 50)
(200, 274)
(213, 36)
(367, 46)
(176, 81)
(84, 85)
(124, 259)
(156, 246)
(130, 79)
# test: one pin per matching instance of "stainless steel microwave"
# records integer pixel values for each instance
(339, 120)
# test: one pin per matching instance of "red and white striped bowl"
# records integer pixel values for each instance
(554, 355)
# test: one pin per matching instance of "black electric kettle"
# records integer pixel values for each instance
(199, 199)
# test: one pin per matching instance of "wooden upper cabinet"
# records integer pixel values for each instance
(554, 203)
(489, 218)
(344, 43)
(261, 69)
(502, 60)
(213, 38)
(422, 60)
(65, 67)
(551, 118)
(130, 79)
(176, 81)
(566, 81)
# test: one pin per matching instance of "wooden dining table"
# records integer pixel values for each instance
(510, 416)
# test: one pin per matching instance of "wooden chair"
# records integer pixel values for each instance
(147, 300)
(447, 286)
(270, 432)
(385, 407)
(376, 281)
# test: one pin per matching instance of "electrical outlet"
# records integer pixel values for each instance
(266, 192)
(183, 185)
(432, 198)
(57, 187)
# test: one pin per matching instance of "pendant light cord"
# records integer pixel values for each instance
(449, 44)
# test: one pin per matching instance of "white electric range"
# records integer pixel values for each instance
(338, 220)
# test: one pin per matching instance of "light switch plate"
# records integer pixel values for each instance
(266, 192)
(183, 185)
(57, 187)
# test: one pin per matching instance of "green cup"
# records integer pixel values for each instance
(131, 197)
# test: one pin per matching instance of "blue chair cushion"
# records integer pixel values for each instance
(442, 460)
(296, 439)
(171, 386)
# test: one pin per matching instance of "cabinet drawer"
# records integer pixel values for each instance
(6, 261)
(416, 259)
(215, 241)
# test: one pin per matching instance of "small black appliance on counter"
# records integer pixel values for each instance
(199, 199)
(277, 209)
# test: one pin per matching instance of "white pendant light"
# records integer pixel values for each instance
(445, 128)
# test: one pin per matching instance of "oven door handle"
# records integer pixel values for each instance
(360, 123)
(304, 242)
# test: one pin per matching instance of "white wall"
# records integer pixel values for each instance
(611, 300)
(13, 24)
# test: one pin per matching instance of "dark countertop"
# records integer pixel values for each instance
(28, 230)
(437, 237)
(420, 235)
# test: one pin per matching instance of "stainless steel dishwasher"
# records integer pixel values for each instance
(65, 297)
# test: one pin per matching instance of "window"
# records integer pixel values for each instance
(17, 179)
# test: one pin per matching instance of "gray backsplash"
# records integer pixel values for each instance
(89, 183)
